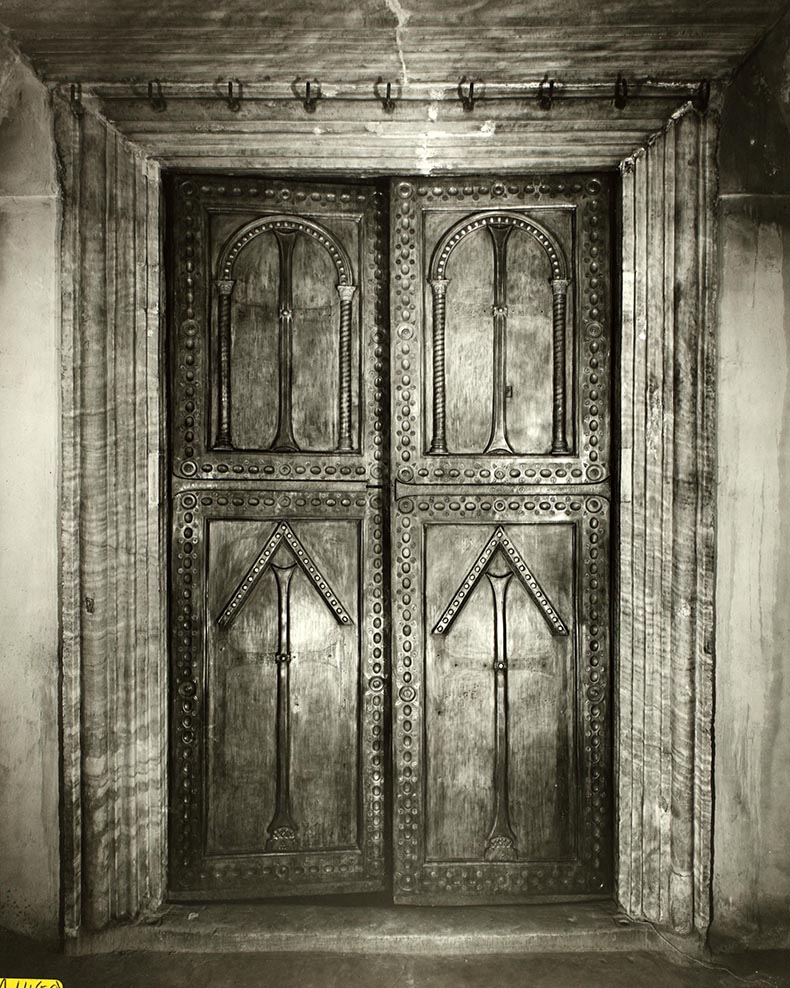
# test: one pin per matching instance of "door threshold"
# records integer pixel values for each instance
(444, 930)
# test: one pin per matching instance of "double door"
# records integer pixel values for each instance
(390, 512)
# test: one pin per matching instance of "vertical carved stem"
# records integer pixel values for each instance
(439, 440)
(344, 443)
(224, 290)
(559, 439)
(501, 841)
(282, 829)
(284, 441)
(498, 441)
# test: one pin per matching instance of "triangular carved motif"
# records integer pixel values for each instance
(500, 540)
(282, 532)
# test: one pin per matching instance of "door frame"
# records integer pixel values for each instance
(113, 548)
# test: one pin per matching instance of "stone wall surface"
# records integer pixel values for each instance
(29, 411)
(665, 552)
(751, 892)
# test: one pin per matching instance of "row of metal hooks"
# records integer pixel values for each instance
(308, 92)
(544, 95)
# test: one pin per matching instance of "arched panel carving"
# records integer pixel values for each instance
(277, 580)
(285, 228)
(500, 224)
(502, 688)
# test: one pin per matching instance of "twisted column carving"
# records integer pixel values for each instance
(559, 438)
(224, 290)
(344, 442)
(439, 440)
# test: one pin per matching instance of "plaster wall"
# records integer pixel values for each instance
(751, 895)
(29, 450)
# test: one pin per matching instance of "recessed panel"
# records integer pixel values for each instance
(316, 347)
(529, 346)
(276, 309)
(323, 685)
(278, 692)
(254, 345)
(460, 693)
(468, 344)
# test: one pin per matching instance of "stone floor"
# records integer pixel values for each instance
(623, 969)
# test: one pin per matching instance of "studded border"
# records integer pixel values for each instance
(591, 871)
(190, 869)
(190, 336)
(591, 269)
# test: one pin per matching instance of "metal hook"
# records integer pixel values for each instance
(546, 92)
(75, 100)
(620, 91)
(467, 99)
(156, 96)
(310, 101)
(387, 102)
(701, 98)
(234, 102)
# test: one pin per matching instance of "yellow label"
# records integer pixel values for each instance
(30, 983)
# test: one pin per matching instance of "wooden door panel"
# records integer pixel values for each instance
(233, 554)
(443, 329)
(558, 737)
(278, 330)
(529, 347)
(254, 335)
(501, 346)
(254, 342)
(279, 668)
(468, 371)
(460, 696)
(242, 689)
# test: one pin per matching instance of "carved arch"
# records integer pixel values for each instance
(284, 227)
(500, 223)
(287, 224)
(500, 218)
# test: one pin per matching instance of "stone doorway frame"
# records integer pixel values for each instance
(113, 549)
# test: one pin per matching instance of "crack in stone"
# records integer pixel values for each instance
(402, 19)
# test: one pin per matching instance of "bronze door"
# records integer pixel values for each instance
(501, 397)
(487, 642)
(278, 507)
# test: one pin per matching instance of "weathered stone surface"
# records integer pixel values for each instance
(433, 41)
(666, 527)
(113, 649)
(428, 133)
(28, 506)
(751, 887)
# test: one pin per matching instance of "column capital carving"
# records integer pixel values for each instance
(346, 292)
(439, 285)
(559, 286)
(225, 286)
